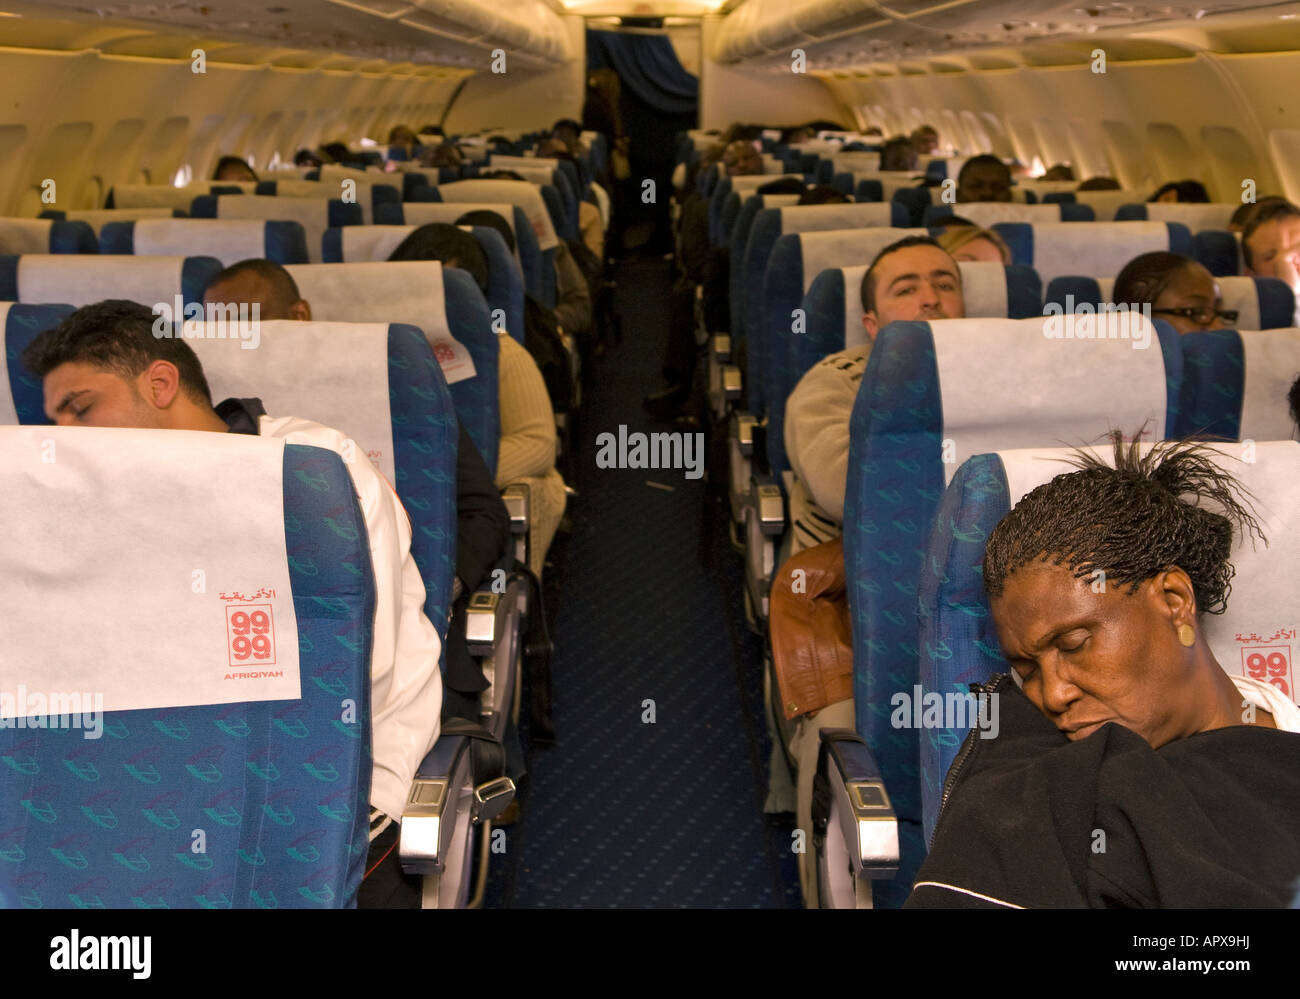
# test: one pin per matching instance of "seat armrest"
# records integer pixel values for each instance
(867, 820)
(518, 501)
(720, 346)
(742, 431)
(767, 503)
(430, 806)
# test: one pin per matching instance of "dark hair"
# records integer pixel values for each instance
(1100, 184)
(868, 279)
(228, 161)
(338, 152)
(1146, 276)
(782, 185)
(487, 217)
(305, 157)
(440, 241)
(117, 335)
(1061, 171)
(1188, 191)
(823, 194)
(1130, 521)
(1293, 401)
(899, 153)
(1264, 212)
(951, 220)
(500, 175)
(284, 289)
(984, 159)
(432, 130)
(574, 126)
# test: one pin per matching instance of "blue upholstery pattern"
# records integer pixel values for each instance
(1218, 251)
(279, 787)
(475, 398)
(1214, 385)
(959, 645)
(72, 237)
(23, 325)
(283, 242)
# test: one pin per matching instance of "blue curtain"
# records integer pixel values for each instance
(648, 67)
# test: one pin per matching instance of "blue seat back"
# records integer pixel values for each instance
(229, 240)
(1235, 384)
(739, 241)
(80, 279)
(19, 388)
(277, 789)
(315, 215)
(986, 214)
(1055, 249)
(934, 394)
(444, 303)
(18, 235)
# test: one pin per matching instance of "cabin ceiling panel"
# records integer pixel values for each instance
(465, 32)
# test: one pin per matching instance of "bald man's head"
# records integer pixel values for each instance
(262, 282)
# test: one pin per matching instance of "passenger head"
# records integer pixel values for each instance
(403, 137)
(1097, 581)
(104, 366)
(454, 247)
(554, 149)
(233, 168)
(487, 217)
(1270, 243)
(1246, 211)
(951, 222)
(501, 175)
(307, 158)
(984, 178)
(1059, 172)
(1192, 191)
(823, 194)
(567, 131)
(925, 139)
(742, 159)
(782, 185)
(260, 282)
(898, 154)
(1100, 184)
(795, 136)
(972, 243)
(337, 152)
(911, 279)
(445, 154)
(1178, 289)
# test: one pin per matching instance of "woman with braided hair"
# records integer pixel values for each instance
(1130, 769)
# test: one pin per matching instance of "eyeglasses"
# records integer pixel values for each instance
(1202, 316)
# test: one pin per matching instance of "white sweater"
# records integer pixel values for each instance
(405, 685)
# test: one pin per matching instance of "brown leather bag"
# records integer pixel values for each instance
(812, 643)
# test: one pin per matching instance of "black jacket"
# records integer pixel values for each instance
(1211, 821)
(482, 522)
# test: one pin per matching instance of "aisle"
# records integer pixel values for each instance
(622, 811)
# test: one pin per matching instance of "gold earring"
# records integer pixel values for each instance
(1187, 635)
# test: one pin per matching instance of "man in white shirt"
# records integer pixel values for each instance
(103, 367)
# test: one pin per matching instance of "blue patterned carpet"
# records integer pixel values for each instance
(621, 813)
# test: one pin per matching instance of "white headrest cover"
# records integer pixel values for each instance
(1106, 204)
(513, 192)
(372, 242)
(166, 196)
(1241, 295)
(812, 218)
(533, 172)
(1004, 383)
(311, 213)
(1257, 634)
(779, 200)
(497, 159)
(848, 162)
(8, 414)
(986, 213)
(96, 218)
(1196, 217)
(25, 235)
(1100, 248)
(131, 538)
(333, 188)
(335, 374)
(1272, 360)
(844, 247)
(387, 292)
(229, 240)
(80, 279)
